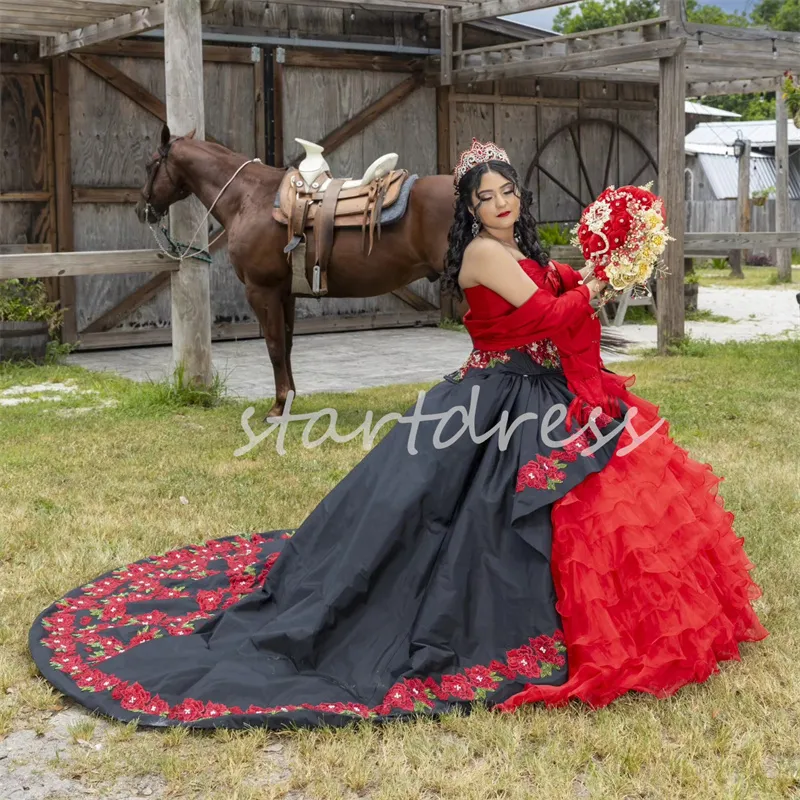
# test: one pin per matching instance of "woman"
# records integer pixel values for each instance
(500, 554)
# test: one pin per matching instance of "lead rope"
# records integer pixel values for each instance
(203, 255)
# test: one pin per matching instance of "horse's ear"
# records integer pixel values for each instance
(191, 134)
(165, 136)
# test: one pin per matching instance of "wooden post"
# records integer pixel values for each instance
(446, 46)
(782, 217)
(739, 257)
(191, 298)
(671, 186)
(63, 192)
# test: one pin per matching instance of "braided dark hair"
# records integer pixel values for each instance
(460, 234)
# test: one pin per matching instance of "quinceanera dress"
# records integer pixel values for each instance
(442, 577)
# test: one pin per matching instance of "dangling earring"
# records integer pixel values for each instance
(516, 234)
(476, 227)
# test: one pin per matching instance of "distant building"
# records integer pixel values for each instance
(713, 171)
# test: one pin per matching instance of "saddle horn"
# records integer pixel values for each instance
(313, 164)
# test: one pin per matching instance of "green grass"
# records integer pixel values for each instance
(754, 278)
(85, 492)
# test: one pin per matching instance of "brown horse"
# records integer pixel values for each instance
(411, 248)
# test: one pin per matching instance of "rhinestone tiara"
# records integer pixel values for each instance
(478, 153)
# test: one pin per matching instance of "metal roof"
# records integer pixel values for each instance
(715, 137)
(722, 173)
(708, 111)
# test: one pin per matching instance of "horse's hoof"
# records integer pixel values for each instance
(273, 412)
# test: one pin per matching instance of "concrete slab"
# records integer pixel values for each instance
(340, 362)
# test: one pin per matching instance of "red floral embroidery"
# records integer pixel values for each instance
(546, 472)
(108, 604)
(542, 351)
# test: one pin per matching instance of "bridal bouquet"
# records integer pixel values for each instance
(622, 236)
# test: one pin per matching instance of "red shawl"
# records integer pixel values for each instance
(568, 320)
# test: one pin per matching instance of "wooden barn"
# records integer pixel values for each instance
(83, 96)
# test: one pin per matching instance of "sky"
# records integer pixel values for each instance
(544, 18)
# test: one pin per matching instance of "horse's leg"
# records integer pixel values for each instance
(288, 322)
(268, 306)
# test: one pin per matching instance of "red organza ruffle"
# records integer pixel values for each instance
(653, 583)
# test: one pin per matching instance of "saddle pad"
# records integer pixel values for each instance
(388, 215)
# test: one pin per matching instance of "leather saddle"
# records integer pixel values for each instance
(311, 200)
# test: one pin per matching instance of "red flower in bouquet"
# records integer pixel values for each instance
(622, 235)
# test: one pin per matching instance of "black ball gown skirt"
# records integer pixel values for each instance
(421, 582)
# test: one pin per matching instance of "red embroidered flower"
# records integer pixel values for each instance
(107, 682)
(152, 617)
(215, 709)
(209, 601)
(481, 677)
(89, 678)
(399, 697)
(501, 669)
(417, 690)
(457, 686)
(143, 636)
(523, 661)
(156, 706)
(113, 610)
(430, 683)
(330, 708)
(545, 649)
(188, 711)
(256, 710)
(357, 708)
(531, 475)
(86, 620)
(134, 697)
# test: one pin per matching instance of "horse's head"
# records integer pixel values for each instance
(164, 184)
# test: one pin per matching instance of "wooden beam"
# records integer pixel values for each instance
(671, 131)
(28, 247)
(24, 197)
(63, 188)
(24, 68)
(103, 262)
(154, 49)
(144, 19)
(550, 65)
(191, 296)
(716, 242)
(51, 284)
(334, 59)
(728, 34)
(497, 8)
(782, 211)
(560, 102)
(726, 87)
(105, 194)
(367, 115)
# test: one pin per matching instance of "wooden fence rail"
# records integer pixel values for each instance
(99, 262)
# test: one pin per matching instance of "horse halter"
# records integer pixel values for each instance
(152, 170)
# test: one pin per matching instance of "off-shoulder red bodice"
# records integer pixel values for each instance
(484, 303)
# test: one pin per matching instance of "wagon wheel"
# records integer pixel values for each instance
(587, 189)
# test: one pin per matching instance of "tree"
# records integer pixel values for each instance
(593, 14)
(780, 15)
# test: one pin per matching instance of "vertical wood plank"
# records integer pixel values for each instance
(65, 234)
(51, 283)
(782, 223)
(277, 106)
(260, 106)
(446, 17)
(443, 165)
(191, 296)
(671, 101)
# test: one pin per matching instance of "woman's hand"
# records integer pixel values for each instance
(585, 272)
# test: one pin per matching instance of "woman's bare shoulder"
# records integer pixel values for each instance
(480, 256)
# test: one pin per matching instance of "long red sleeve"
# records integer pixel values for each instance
(570, 278)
